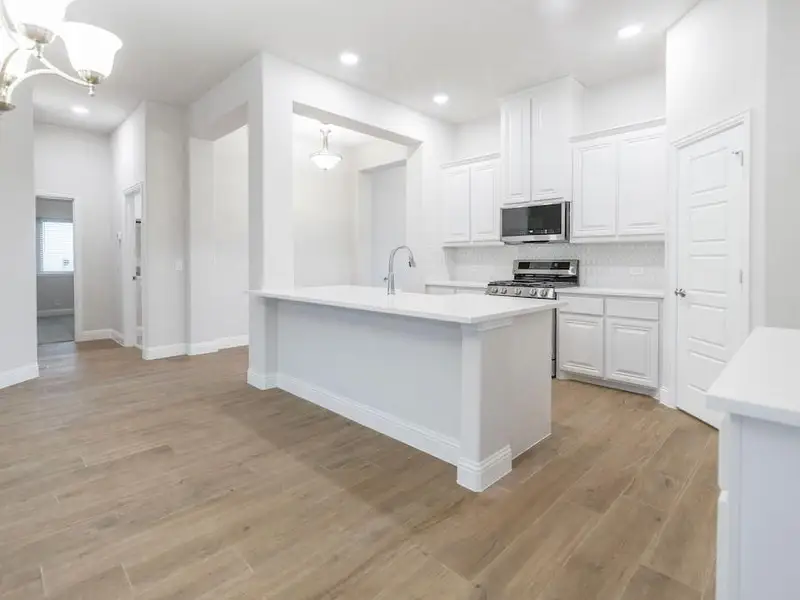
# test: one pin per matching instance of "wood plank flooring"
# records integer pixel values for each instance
(174, 480)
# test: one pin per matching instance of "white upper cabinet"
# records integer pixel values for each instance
(516, 124)
(594, 210)
(536, 127)
(472, 201)
(620, 184)
(456, 188)
(484, 208)
(642, 183)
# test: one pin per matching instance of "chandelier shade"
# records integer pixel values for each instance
(37, 19)
(91, 50)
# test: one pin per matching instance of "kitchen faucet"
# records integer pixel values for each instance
(390, 278)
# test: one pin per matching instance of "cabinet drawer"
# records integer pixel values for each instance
(582, 305)
(632, 309)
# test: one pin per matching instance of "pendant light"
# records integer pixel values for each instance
(325, 159)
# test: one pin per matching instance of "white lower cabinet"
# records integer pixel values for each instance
(580, 344)
(632, 351)
(610, 339)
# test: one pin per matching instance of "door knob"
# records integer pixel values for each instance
(680, 293)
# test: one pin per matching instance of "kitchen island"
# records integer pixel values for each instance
(465, 378)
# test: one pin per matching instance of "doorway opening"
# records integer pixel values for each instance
(55, 270)
(133, 271)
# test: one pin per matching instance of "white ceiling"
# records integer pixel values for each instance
(474, 50)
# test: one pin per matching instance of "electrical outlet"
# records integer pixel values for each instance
(636, 271)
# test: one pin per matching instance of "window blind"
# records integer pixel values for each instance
(56, 251)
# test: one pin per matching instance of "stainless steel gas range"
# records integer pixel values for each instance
(540, 279)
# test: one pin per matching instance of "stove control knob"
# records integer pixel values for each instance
(551, 294)
(503, 291)
(543, 293)
(518, 292)
(532, 293)
(492, 290)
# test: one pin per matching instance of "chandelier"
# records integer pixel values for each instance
(28, 26)
(325, 159)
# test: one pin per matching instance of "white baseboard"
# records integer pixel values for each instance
(19, 375)
(614, 385)
(442, 447)
(199, 348)
(159, 352)
(665, 397)
(261, 381)
(56, 312)
(202, 348)
(95, 334)
(233, 342)
(480, 476)
(117, 337)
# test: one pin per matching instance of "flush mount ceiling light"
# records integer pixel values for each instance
(349, 58)
(28, 26)
(441, 99)
(630, 31)
(325, 159)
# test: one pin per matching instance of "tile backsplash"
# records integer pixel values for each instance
(639, 265)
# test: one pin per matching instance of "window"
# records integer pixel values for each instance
(56, 253)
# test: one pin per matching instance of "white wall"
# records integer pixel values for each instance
(18, 360)
(783, 165)
(478, 137)
(324, 205)
(76, 164)
(229, 237)
(625, 101)
(716, 69)
(166, 208)
(387, 223)
(55, 292)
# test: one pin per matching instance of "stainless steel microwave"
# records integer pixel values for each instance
(536, 222)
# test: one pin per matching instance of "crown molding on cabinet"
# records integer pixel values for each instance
(472, 160)
(660, 122)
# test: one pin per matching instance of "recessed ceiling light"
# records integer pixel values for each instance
(80, 110)
(441, 99)
(349, 58)
(630, 31)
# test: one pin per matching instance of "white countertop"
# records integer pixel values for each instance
(472, 285)
(761, 379)
(456, 308)
(624, 292)
(577, 291)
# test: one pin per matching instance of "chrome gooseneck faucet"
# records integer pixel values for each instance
(390, 278)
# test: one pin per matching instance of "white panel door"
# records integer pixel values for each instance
(712, 303)
(580, 344)
(632, 351)
(594, 206)
(642, 183)
(484, 206)
(551, 160)
(456, 188)
(517, 151)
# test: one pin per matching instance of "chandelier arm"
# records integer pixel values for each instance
(7, 61)
(63, 74)
(48, 71)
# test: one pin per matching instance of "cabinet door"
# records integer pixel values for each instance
(642, 183)
(484, 207)
(594, 210)
(516, 119)
(551, 152)
(632, 351)
(456, 204)
(580, 344)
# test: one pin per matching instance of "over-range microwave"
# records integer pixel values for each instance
(536, 222)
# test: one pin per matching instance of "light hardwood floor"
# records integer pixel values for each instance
(173, 479)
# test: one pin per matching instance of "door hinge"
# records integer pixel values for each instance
(740, 154)
(741, 277)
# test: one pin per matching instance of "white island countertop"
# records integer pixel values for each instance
(761, 379)
(466, 309)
